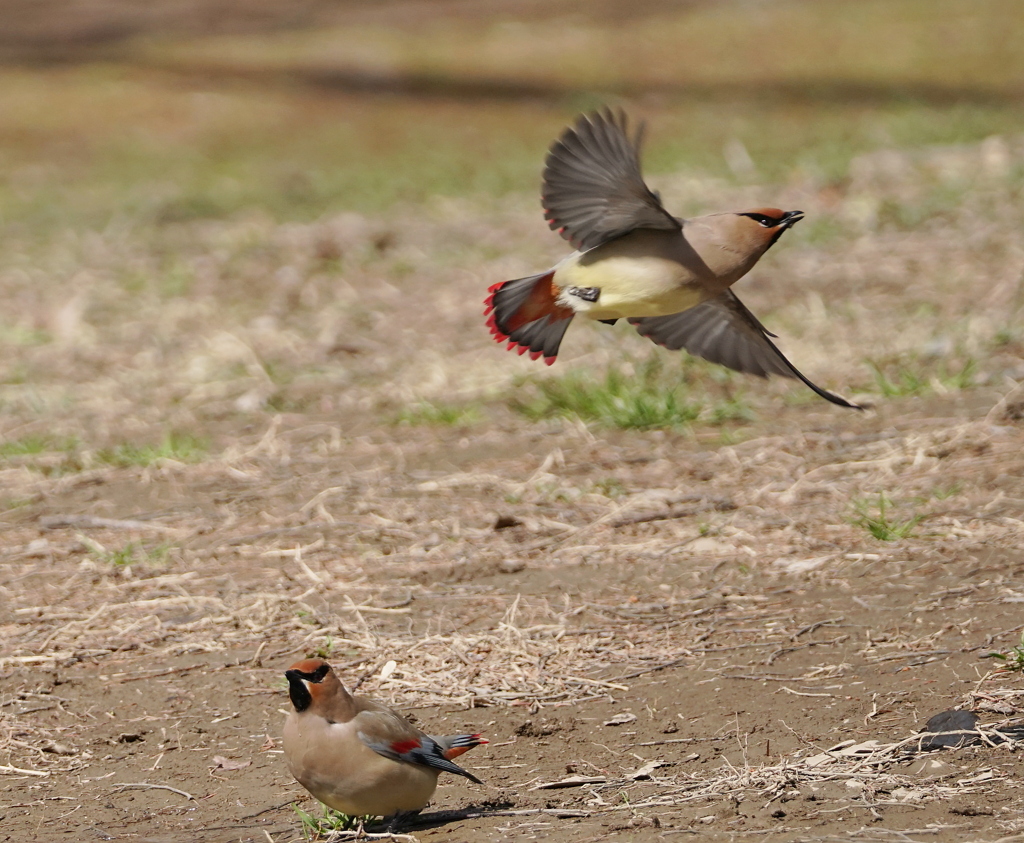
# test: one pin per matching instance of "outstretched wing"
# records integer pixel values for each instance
(723, 331)
(593, 190)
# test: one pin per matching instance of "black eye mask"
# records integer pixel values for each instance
(297, 690)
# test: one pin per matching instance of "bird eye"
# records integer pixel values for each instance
(764, 221)
(319, 674)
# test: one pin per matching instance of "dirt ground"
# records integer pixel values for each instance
(719, 604)
(697, 624)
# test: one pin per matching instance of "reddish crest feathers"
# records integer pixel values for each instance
(308, 665)
(328, 691)
(772, 213)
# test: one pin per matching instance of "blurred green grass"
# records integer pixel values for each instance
(175, 218)
(276, 123)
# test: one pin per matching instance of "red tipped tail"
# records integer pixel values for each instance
(526, 314)
(459, 744)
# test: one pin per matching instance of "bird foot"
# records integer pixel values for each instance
(590, 294)
(399, 819)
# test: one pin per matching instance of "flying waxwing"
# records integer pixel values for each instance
(358, 756)
(668, 277)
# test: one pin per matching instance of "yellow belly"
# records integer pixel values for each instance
(641, 274)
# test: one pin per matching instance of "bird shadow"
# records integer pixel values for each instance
(436, 819)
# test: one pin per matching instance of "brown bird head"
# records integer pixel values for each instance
(314, 686)
(765, 225)
(731, 243)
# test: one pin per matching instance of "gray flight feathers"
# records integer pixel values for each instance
(542, 337)
(593, 191)
(429, 753)
(723, 331)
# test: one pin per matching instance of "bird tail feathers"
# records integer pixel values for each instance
(526, 314)
(454, 745)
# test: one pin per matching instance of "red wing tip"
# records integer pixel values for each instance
(535, 355)
(549, 361)
(522, 349)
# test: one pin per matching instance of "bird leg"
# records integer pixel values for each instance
(591, 294)
(399, 818)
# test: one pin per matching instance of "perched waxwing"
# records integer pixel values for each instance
(669, 277)
(358, 756)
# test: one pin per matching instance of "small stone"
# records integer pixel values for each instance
(931, 768)
(948, 728)
(38, 547)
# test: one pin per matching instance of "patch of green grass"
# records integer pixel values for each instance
(1006, 336)
(916, 377)
(161, 149)
(49, 455)
(641, 399)
(21, 335)
(1013, 661)
(610, 488)
(661, 392)
(941, 493)
(439, 413)
(133, 553)
(325, 650)
(876, 517)
(938, 201)
(16, 503)
(180, 447)
(823, 230)
(34, 444)
(730, 409)
(329, 821)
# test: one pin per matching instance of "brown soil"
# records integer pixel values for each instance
(593, 601)
(780, 632)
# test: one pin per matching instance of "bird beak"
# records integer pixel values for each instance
(791, 218)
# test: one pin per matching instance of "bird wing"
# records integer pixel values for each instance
(389, 734)
(593, 190)
(723, 331)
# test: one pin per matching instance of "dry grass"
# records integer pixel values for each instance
(235, 431)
